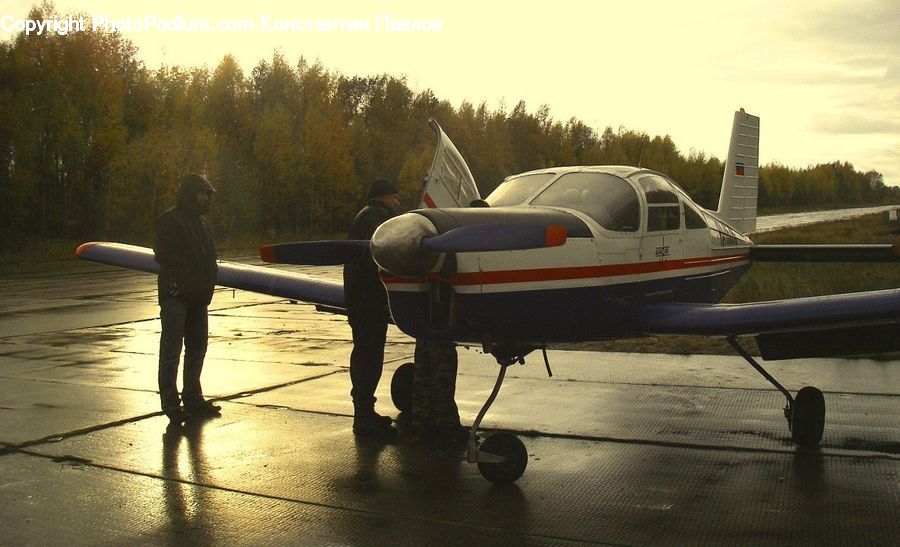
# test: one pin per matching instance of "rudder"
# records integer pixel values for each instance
(740, 184)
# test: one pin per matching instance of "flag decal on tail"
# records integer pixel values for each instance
(739, 169)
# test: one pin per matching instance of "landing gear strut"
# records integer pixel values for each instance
(805, 413)
(502, 457)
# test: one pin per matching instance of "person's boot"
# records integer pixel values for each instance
(176, 416)
(368, 423)
(203, 409)
(450, 436)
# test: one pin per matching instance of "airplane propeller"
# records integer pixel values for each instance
(496, 237)
(409, 245)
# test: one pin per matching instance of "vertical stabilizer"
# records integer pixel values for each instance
(740, 185)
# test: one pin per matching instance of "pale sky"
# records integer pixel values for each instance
(823, 75)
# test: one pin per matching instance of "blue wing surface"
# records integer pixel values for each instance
(296, 286)
(841, 324)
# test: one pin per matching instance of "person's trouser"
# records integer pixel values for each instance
(434, 385)
(187, 324)
(366, 359)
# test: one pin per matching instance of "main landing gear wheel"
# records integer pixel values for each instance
(509, 447)
(402, 387)
(808, 417)
(805, 412)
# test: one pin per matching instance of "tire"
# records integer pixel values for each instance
(402, 387)
(808, 417)
(510, 447)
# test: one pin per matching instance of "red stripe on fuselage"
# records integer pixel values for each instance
(428, 201)
(561, 274)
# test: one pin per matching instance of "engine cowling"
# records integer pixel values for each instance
(397, 245)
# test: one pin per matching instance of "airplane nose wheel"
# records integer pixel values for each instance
(402, 387)
(808, 417)
(514, 457)
(501, 457)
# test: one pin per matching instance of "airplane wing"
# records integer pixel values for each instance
(842, 324)
(327, 294)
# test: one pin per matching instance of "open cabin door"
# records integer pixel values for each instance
(449, 182)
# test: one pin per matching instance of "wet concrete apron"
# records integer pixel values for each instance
(624, 448)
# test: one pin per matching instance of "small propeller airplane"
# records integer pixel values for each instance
(572, 254)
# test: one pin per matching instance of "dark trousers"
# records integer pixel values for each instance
(367, 358)
(434, 385)
(188, 325)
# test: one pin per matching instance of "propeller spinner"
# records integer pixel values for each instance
(409, 245)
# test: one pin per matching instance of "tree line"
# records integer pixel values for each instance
(92, 144)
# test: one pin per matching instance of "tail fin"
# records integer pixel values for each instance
(740, 185)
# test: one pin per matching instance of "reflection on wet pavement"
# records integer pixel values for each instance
(623, 448)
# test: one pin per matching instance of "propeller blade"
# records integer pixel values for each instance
(314, 253)
(496, 237)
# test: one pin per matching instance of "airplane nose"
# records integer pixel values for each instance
(396, 245)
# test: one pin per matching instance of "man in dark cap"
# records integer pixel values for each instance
(368, 313)
(186, 255)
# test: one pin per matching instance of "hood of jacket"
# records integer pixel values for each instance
(187, 194)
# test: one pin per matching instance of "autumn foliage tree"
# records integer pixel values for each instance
(92, 144)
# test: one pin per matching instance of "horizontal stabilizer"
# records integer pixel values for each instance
(314, 253)
(825, 253)
(496, 237)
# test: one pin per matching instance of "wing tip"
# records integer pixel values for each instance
(84, 247)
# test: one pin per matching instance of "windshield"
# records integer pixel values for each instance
(607, 199)
(518, 189)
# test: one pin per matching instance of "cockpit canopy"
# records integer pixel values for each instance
(613, 196)
(607, 199)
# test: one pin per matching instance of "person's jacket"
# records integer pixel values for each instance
(185, 251)
(363, 291)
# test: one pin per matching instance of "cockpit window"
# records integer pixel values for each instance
(516, 190)
(658, 190)
(663, 211)
(607, 199)
(692, 218)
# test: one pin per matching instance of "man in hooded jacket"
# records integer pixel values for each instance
(184, 249)
(367, 310)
